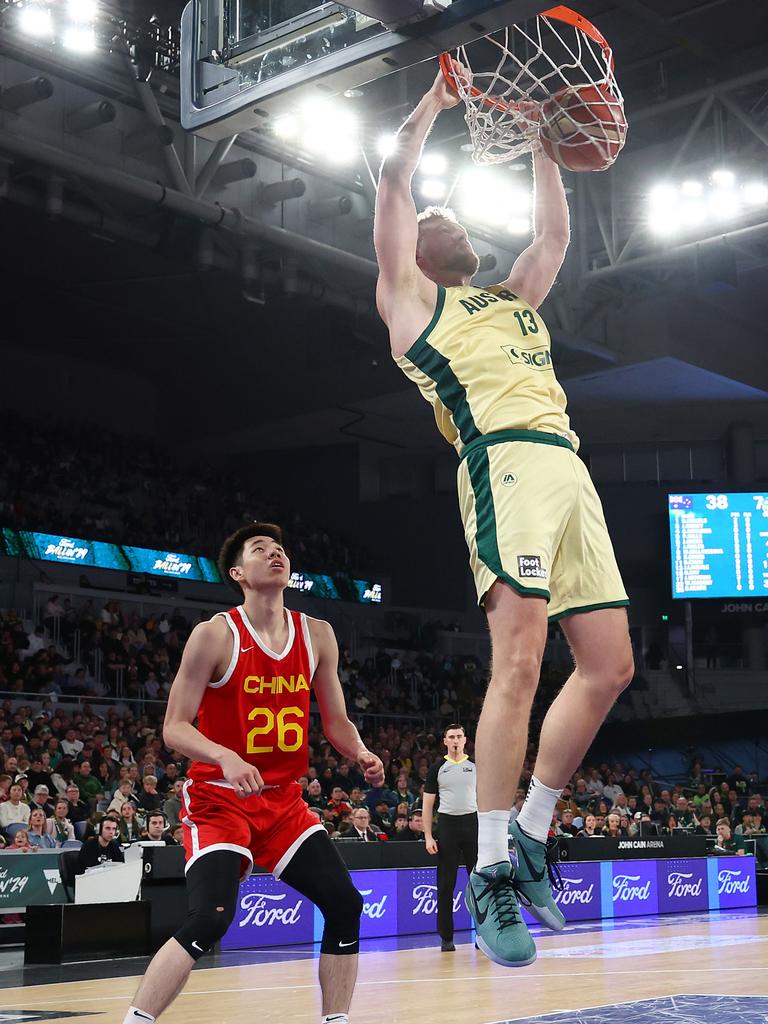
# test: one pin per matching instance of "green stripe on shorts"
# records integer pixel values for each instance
(486, 537)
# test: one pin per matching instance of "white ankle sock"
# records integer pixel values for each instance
(135, 1016)
(335, 1018)
(536, 815)
(492, 838)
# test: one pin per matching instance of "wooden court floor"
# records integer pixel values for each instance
(589, 966)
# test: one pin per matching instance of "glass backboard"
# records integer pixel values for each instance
(244, 61)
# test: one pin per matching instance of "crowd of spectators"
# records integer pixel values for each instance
(122, 653)
(616, 802)
(82, 481)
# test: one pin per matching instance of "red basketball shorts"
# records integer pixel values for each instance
(265, 830)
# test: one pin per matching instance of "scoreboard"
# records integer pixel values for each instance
(719, 544)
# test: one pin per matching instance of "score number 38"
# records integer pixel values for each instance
(720, 501)
(290, 734)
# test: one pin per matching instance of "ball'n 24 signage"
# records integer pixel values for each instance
(404, 901)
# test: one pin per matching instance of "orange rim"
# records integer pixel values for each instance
(560, 13)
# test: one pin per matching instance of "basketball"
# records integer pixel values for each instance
(583, 127)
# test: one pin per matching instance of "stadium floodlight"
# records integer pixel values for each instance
(723, 178)
(286, 127)
(79, 39)
(663, 198)
(692, 189)
(486, 195)
(433, 163)
(82, 10)
(433, 188)
(667, 223)
(36, 21)
(386, 144)
(330, 131)
(724, 203)
(693, 214)
(519, 226)
(754, 193)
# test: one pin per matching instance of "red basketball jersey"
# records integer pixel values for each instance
(260, 706)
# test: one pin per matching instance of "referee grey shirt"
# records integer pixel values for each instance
(455, 783)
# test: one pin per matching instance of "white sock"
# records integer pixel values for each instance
(335, 1018)
(536, 816)
(492, 838)
(135, 1016)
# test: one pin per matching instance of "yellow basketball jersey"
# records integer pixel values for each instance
(484, 364)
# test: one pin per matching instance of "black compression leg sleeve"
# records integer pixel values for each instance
(317, 871)
(212, 887)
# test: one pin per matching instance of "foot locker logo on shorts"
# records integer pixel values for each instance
(530, 565)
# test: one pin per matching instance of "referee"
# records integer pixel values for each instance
(452, 781)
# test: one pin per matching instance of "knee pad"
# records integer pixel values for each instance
(203, 929)
(342, 912)
(317, 871)
(212, 888)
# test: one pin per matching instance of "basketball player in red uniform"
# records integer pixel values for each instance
(245, 676)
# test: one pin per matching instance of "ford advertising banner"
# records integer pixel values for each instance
(403, 901)
(732, 882)
(269, 913)
(579, 898)
(417, 901)
(682, 886)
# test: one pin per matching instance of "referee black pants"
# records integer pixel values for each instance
(456, 844)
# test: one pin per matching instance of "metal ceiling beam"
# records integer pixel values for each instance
(699, 95)
(199, 210)
(658, 259)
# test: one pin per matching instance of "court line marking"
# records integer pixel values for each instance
(538, 978)
(626, 1002)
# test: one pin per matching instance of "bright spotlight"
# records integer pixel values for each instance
(386, 144)
(519, 226)
(663, 197)
(79, 39)
(724, 203)
(433, 163)
(520, 202)
(36, 21)
(723, 178)
(693, 214)
(330, 131)
(665, 223)
(433, 188)
(286, 126)
(692, 189)
(487, 196)
(82, 10)
(755, 193)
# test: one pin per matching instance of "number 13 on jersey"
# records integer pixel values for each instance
(286, 728)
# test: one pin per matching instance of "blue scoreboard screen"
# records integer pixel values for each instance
(719, 545)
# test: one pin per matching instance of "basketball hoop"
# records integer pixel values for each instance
(551, 85)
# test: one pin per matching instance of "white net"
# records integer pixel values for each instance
(543, 60)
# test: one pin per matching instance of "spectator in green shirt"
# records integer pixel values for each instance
(684, 813)
(89, 785)
(725, 841)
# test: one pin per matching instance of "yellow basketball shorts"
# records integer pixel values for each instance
(532, 518)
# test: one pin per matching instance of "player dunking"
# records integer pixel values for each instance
(246, 677)
(534, 525)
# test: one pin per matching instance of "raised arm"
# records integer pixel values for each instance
(395, 230)
(337, 728)
(205, 655)
(536, 268)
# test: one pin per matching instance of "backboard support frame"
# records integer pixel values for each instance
(214, 106)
